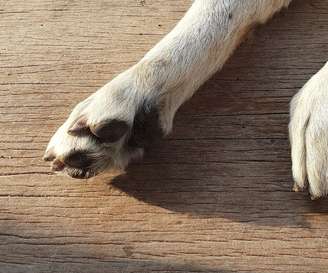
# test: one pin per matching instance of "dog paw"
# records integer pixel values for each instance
(308, 130)
(105, 131)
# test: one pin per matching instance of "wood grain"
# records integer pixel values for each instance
(213, 197)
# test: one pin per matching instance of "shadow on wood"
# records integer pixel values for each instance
(213, 197)
(229, 153)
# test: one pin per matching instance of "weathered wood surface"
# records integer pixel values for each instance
(214, 197)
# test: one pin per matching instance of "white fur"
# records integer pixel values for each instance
(308, 131)
(167, 76)
(175, 68)
(196, 48)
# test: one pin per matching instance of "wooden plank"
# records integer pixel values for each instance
(213, 197)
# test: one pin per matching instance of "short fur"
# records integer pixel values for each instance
(167, 76)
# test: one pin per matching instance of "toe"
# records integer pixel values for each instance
(57, 165)
(49, 155)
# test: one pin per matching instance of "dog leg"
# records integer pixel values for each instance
(102, 131)
(308, 131)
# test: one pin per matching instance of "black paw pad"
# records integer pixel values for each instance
(79, 160)
(110, 130)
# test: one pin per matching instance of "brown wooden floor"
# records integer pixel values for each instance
(214, 197)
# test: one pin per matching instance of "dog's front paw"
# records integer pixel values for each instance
(308, 131)
(105, 131)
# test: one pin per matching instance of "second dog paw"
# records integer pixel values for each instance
(308, 131)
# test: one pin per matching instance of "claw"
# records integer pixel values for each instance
(57, 166)
(49, 156)
(313, 198)
(297, 188)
